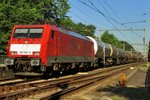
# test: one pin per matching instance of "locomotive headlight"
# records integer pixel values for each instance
(9, 61)
(35, 62)
(13, 52)
(36, 53)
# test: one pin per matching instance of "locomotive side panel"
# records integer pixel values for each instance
(74, 49)
(71, 47)
(52, 45)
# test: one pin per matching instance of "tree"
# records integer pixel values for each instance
(36, 11)
(127, 46)
(87, 30)
(110, 39)
(3, 42)
(27, 12)
(67, 23)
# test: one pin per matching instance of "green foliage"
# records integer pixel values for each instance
(30, 11)
(111, 39)
(27, 12)
(67, 23)
(127, 46)
(3, 43)
(87, 30)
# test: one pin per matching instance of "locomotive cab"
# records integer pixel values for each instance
(24, 49)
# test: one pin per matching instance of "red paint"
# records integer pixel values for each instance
(62, 44)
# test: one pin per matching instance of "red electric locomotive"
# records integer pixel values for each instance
(38, 49)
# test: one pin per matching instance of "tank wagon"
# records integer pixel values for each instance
(40, 49)
(105, 54)
(108, 54)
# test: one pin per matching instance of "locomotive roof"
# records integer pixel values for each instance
(63, 30)
(72, 33)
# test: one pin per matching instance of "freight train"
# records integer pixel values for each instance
(39, 49)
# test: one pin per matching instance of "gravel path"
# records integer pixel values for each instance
(138, 79)
(135, 89)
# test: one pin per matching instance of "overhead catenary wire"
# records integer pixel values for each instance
(92, 6)
(108, 12)
(113, 12)
(80, 10)
(113, 25)
(80, 18)
(111, 9)
(142, 21)
(104, 7)
(96, 9)
(99, 11)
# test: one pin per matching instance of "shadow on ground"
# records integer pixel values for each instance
(147, 80)
(129, 93)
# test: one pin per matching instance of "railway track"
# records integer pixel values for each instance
(81, 83)
(54, 88)
(11, 82)
(6, 79)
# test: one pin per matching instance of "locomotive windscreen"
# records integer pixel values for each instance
(28, 33)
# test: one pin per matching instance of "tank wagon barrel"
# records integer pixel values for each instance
(107, 53)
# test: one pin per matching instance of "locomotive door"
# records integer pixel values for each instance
(52, 44)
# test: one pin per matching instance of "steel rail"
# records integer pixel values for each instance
(31, 88)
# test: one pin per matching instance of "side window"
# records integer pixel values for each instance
(53, 34)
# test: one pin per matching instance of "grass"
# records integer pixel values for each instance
(144, 67)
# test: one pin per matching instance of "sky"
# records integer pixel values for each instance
(117, 15)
